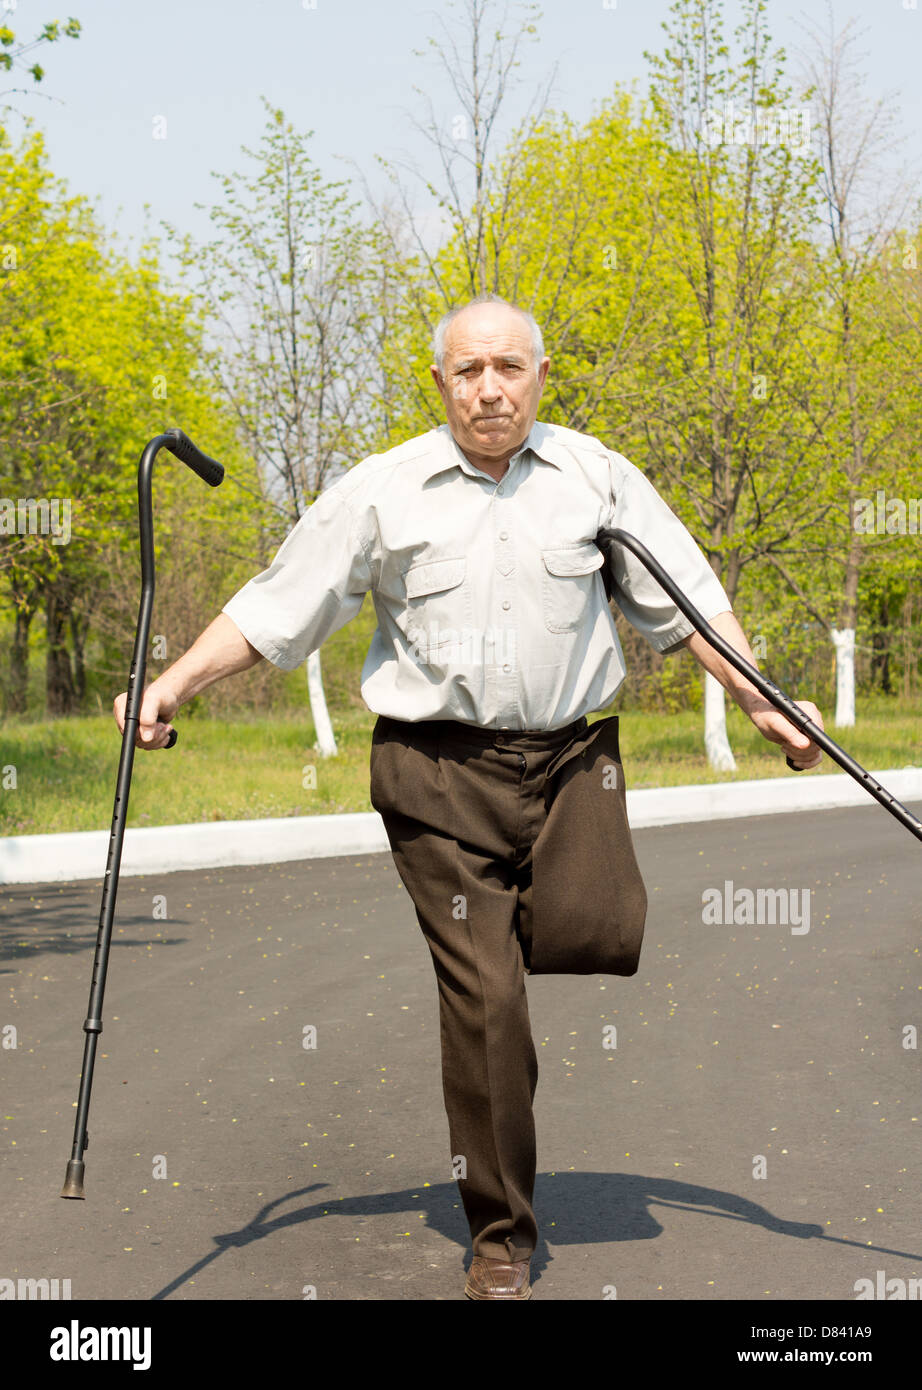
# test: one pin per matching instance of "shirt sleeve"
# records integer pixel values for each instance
(638, 509)
(314, 586)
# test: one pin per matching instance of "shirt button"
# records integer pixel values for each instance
(500, 490)
(507, 667)
(504, 535)
(506, 603)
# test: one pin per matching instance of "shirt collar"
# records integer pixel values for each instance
(447, 453)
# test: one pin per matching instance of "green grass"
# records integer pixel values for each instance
(668, 750)
(250, 769)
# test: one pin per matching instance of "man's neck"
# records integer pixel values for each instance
(495, 467)
(496, 470)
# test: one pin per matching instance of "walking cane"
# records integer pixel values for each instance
(608, 537)
(182, 448)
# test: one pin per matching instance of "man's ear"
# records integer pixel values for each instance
(437, 378)
(542, 371)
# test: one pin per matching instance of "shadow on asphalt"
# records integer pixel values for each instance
(587, 1209)
(64, 919)
(19, 942)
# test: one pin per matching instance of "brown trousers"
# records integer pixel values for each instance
(516, 851)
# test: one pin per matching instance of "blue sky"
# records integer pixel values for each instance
(342, 68)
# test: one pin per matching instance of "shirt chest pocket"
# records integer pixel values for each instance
(438, 601)
(568, 581)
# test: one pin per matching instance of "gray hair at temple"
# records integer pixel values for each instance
(441, 328)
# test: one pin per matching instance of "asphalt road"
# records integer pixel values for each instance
(228, 1160)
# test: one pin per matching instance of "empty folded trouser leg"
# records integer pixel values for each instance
(464, 808)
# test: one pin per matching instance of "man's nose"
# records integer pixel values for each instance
(490, 385)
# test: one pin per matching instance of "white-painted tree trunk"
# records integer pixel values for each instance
(720, 754)
(843, 639)
(326, 743)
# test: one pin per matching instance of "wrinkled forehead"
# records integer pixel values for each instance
(484, 331)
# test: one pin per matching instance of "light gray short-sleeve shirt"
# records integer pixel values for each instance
(490, 603)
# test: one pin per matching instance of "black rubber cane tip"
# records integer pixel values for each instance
(793, 766)
(73, 1182)
(172, 738)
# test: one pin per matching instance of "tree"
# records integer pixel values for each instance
(469, 208)
(584, 262)
(96, 355)
(48, 255)
(14, 51)
(855, 137)
(287, 282)
(725, 433)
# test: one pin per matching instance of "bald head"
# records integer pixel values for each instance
(490, 371)
(476, 306)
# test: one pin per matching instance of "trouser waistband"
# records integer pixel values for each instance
(474, 735)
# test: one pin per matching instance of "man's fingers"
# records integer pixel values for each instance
(149, 721)
(152, 731)
(118, 709)
(801, 743)
(811, 711)
(799, 749)
(802, 753)
(801, 764)
(154, 735)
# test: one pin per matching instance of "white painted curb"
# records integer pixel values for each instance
(211, 844)
(767, 797)
(202, 845)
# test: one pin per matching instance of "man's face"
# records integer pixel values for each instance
(489, 387)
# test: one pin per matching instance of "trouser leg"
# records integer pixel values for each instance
(489, 1066)
(456, 854)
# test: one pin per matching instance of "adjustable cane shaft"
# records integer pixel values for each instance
(92, 1025)
(776, 697)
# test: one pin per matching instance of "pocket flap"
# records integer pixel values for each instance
(434, 575)
(573, 559)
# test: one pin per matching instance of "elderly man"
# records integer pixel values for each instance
(503, 806)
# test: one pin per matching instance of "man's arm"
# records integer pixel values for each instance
(770, 722)
(221, 650)
(314, 585)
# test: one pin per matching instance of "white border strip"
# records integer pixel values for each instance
(211, 844)
(767, 797)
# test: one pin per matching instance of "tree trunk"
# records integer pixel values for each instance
(59, 680)
(78, 632)
(17, 698)
(880, 661)
(716, 739)
(843, 639)
(325, 739)
(720, 754)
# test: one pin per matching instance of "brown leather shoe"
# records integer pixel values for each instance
(488, 1278)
